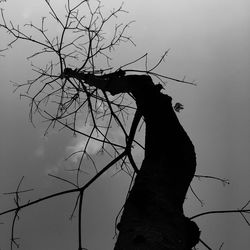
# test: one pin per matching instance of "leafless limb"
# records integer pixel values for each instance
(242, 211)
(222, 180)
(205, 245)
(17, 199)
(196, 196)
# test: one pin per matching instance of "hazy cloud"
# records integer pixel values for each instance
(39, 152)
(80, 142)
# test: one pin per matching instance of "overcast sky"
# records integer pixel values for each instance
(209, 42)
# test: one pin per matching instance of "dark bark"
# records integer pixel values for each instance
(153, 217)
(153, 214)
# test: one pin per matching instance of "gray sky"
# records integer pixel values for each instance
(209, 42)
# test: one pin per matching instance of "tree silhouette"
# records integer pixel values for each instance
(78, 81)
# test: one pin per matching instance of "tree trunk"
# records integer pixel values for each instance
(153, 216)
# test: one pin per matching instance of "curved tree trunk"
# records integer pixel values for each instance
(153, 216)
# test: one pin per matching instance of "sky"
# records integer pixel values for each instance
(209, 43)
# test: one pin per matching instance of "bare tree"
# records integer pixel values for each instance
(74, 83)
